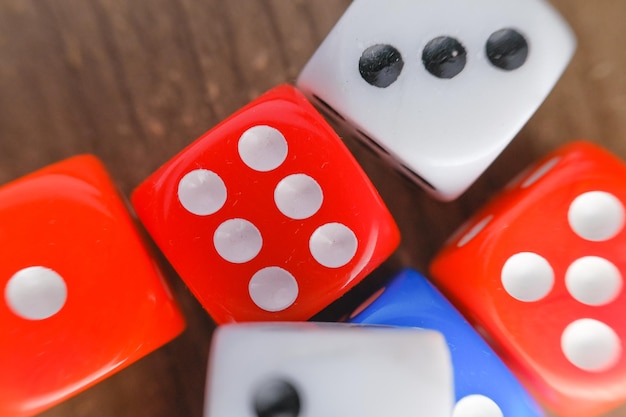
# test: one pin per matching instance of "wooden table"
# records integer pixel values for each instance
(135, 81)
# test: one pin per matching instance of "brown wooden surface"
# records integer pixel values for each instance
(135, 81)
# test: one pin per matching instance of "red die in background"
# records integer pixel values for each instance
(82, 297)
(541, 270)
(267, 216)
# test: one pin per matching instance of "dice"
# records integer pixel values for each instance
(330, 369)
(482, 384)
(439, 88)
(540, 269)
(267, 216)
(82, 297)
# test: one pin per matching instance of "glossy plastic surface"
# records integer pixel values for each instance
(81, 296)
(329, 369)
(267, 216)
(421, 81)
(482, 383)
(541, 268)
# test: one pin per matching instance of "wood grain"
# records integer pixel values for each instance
(135, 81)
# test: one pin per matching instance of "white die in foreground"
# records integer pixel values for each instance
(313, 369)
(440, 86)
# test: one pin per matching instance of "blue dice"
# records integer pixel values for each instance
(483, 385)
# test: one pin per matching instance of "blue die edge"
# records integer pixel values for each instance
(409, 300)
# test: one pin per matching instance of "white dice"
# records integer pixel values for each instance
(314, 369)
(439, 87)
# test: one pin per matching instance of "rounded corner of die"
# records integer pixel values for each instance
(141, 197)
(88, 159)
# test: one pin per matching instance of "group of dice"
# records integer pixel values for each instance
(268, 217)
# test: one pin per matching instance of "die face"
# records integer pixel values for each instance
(331, 369)
(482, 383)
(82, 298)
(452, 68)
(540, 269)
(290, 221)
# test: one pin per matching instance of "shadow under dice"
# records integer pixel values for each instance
(82, 297)
(267, 216)
(541, 268)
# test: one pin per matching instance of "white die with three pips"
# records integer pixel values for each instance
(439, 87)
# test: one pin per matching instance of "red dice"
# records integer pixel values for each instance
(267, 216)
(82, 297)
(541, 269)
